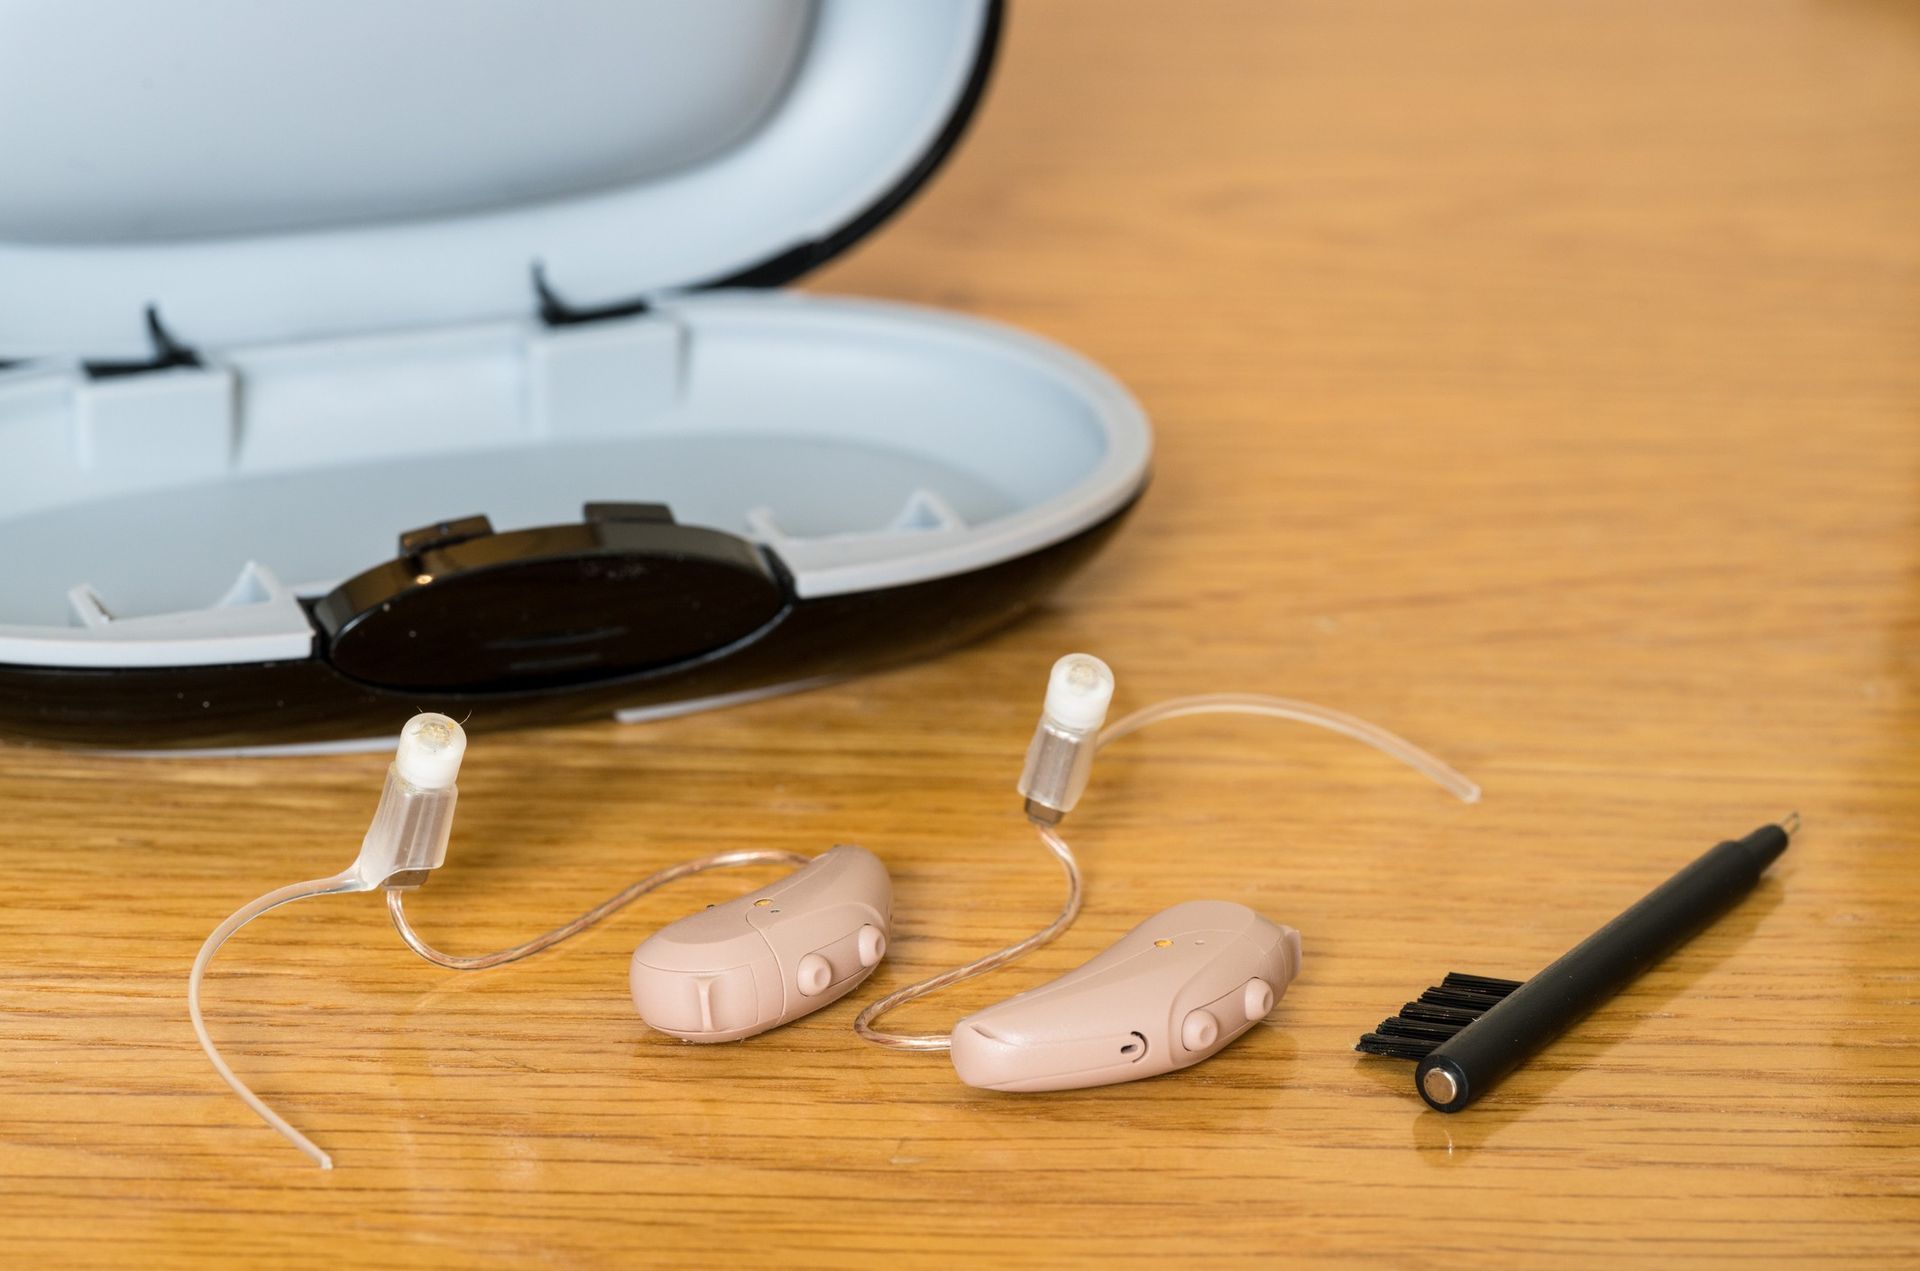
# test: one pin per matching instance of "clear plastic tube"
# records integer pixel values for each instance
(606, 908)
(348, 880)
(1390, 744)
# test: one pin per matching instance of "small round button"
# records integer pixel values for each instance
(1259, 999)
(1200, 1030)
(873, 945)
(814, 974)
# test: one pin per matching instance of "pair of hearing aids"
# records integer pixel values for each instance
(1172, 992)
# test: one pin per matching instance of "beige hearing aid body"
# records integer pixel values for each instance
(1173, 991)
(770, 956)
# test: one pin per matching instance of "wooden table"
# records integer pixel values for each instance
(1539, 381)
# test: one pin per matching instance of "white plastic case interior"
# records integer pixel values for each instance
(340, 207)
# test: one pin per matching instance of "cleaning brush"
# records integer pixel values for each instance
(1469, 1031)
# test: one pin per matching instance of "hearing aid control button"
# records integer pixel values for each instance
(873, 945)
(814, 974)
(1259, 999)
(1199, 1031)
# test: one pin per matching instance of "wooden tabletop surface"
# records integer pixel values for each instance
(1538, 381)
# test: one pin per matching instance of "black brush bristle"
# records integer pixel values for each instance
(1440, 995)
(1440, 1012)
(1479, 983)
(1374, 1044)
(1431, 1014)
(1399, 1026)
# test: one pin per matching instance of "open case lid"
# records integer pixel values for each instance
(264, 172)
(280, 282)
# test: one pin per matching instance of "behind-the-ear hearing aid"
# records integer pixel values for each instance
(1176, 989)
(770, 956)
(724, 973)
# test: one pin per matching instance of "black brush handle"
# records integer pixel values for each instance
(1473, 1060)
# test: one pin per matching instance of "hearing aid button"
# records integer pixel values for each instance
(1258, 999)
(1199, 1031)
(873, 945)
(814, 974)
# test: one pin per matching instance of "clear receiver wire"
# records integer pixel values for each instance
(605, 909)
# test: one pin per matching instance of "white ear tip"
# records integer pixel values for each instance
(431, 747)
(1079, 691)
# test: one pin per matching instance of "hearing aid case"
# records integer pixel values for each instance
(360, 358)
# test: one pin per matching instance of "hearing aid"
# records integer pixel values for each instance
(727, 972)
(1177, 989)
(770, 956)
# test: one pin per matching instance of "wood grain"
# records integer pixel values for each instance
(1539, 381)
